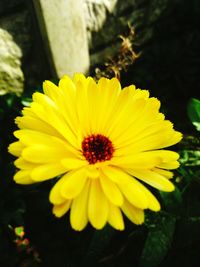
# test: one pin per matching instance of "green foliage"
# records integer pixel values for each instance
(158, 240)
(193, 109)
(190, 157)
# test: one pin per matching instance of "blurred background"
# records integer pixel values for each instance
(154, 44)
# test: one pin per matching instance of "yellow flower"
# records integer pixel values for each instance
(101, 141)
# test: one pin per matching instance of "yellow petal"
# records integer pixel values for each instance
(115, 218)
(167, 155)
(131, 90)
(149, 201)
(169, 165)
(31, 137)
(145, 160)
(173, 139)
(109, 91)
(97, 205)
(73, 184)
(60, 210)
(79, 77)
(66, 101)
(111, 191)
(151, 142)
(139, 131)
(36, 124)
(120, 119)
(27, 111)
(43, 100)
(47, 171)
(165, 173)
(43, 154)
(92, 171)
(63, 128)
(67, 86)
(79, 209)
(153, 203)
(55, 118)
(134, 194)
(141, 94)
(143, 112)
(55, 196)
(16, 148)
(135, 215)
(115, 174)
(73, 163)
(82, 107)
(51, 90)
(64, 98)
(23, 164)
(92, 94)
(154, 179)
(23, 177)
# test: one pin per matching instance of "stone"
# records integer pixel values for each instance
(107, 19)
(63, 29)
(18, 25)
(21, 24)
(11, 75)
(6, 6)
(96, 13)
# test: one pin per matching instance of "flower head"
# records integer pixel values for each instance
(102, 142)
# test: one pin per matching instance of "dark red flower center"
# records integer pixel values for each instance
(97, 148)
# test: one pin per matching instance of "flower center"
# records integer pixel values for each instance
(97, 148)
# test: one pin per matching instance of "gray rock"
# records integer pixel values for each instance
(21, 25)
(6, 6)
(11, 75)
(96, 13)
(107, 19)
(18, 25)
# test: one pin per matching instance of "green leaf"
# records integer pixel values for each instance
(190, 157)
(98, 244)
(193, 110)
(159, 238)
(19, 231)
(172, 201)
(26, 101)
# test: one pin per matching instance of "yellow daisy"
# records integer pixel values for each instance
(101, 141)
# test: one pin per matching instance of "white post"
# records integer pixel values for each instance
(63, 29)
